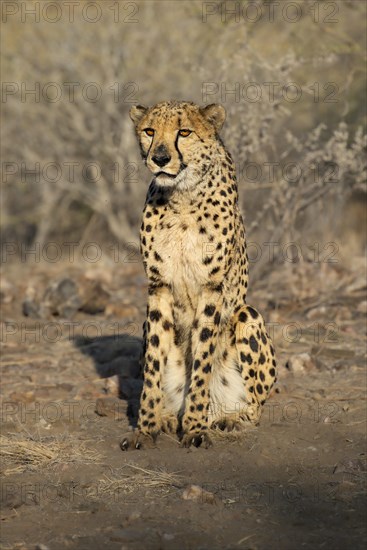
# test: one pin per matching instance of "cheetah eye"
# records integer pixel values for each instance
(184, 133)
(149, 132)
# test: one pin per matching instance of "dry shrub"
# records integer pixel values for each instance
(103, 205)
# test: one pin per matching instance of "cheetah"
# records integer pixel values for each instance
(208, 360)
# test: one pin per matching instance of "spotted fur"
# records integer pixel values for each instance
(209, 361)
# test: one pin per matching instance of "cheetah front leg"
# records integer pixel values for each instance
(204, 339)
(159, 337)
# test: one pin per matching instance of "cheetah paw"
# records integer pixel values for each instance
(138, 440)
(227, 425)
(196, 439)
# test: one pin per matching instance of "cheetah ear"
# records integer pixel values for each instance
(215, 114)
(137, 112)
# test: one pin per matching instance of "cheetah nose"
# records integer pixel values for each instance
(161, 160)
(161, 156)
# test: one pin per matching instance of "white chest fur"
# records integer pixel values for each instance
(181, 246)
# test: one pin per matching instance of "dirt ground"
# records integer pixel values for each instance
(70, 385)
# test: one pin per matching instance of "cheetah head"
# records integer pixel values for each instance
(176, 139)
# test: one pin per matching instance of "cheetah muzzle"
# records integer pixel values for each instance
(208, 361)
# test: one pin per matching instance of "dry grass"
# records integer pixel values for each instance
(19, 453)
(229, 437)
(120, 482)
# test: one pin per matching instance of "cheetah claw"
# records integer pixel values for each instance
(196, 439)
(138, 441)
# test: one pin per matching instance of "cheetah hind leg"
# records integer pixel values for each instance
(256, 360)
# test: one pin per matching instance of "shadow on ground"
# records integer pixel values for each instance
(117, 356)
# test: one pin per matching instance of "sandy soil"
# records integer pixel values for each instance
(69, 387)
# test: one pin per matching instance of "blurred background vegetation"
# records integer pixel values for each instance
(300, 160)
